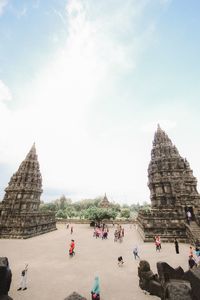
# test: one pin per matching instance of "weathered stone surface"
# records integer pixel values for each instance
(5, 278)
(166, 272)
(171, 284)
(147, 280)
(19, 212)
(193, 276)
(75, 296)
(177, 290)
(173, 191)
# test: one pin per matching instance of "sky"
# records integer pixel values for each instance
(88, 81)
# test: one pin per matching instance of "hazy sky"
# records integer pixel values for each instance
(88, 81)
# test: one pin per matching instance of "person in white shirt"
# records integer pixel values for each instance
(23, 281)
(189, 216)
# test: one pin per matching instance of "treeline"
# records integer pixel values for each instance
(89, 209)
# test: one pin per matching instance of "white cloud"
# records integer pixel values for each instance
(61, 101)
(21, 13)
(5, 93)
(3, 4)
(165, 2)
(36, 4)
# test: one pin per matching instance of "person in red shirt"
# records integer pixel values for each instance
(72, 246)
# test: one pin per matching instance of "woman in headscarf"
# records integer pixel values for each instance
(96, 289)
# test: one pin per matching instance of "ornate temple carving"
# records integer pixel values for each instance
(19, 210)
(173, 191)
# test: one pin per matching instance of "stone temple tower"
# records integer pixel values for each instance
(19, 212)
(173, 191)
(104, 203)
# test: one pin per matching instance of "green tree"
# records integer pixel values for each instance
(146, 206)
(99, 214)
(86, 203)
(48, 207)
(125, 206)
(63, 202)
(125, 213)
(70, 212)
(61, 214)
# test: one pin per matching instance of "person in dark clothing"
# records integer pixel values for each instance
(120, 261)
(176, 246)
(191, 262)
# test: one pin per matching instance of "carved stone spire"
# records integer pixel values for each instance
(104, 202)
(173, 192)
(171, 180)
(25, 186)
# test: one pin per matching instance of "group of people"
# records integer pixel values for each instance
(119, 234)
(71, 228)
(101, 232)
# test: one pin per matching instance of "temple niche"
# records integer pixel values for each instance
(19, 210)
(173, 192)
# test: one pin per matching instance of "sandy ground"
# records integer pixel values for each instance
(52, 275)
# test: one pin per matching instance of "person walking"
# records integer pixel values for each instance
(191, 262)
(176, 246)
(197, 252)
(95, 292)
(71, 249)
(158, 243)
(120, 261)
(72, 229)
(191, 253)
(23, 280)
(135, 252)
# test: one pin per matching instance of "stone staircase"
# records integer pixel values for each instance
(193, 232)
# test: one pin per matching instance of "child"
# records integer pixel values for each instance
(120, 261)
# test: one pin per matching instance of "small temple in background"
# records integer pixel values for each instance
(19, 211)
(173, 192)
(104, 203)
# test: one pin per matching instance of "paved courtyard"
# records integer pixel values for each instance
(52, 275)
